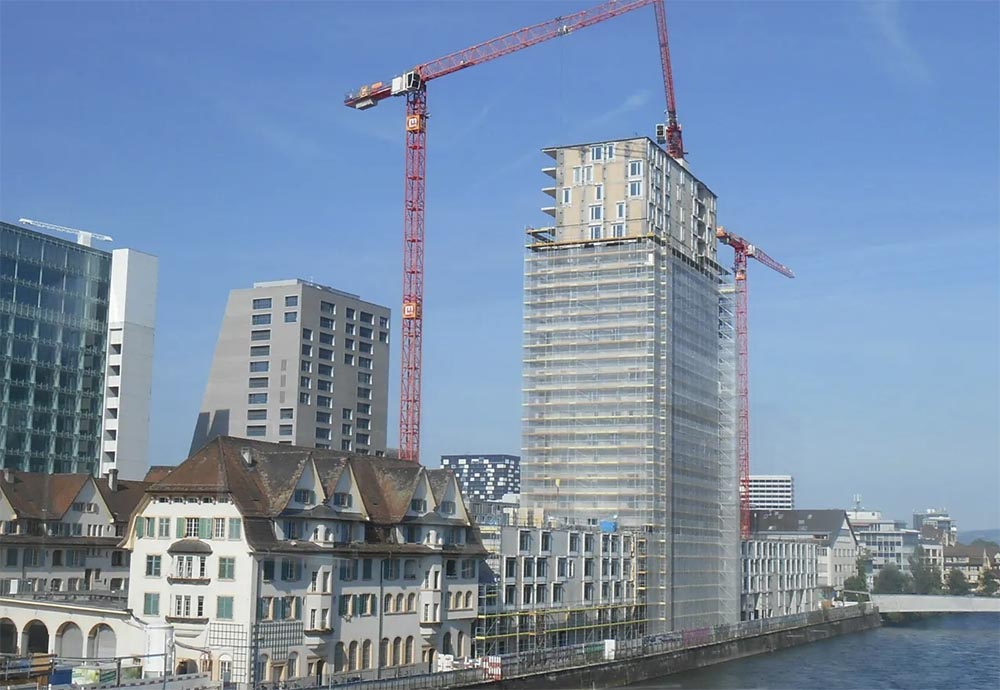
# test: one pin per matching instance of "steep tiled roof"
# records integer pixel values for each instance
(158, 472)
(812, 522)
(39, 495)
(124, 498)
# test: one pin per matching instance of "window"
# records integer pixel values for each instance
(635, 168)
(350, 312)
(635, 189)
(326, 354)
(323, 434)
(324, 385)
(257, 399)
(264, 334)
(287, 413)
(620, 210)
(447, 507)
(326, 338)
(291, 316)
(342, 500)
(418, 505)
(595, 232)
(307, 334)
(365, 393)
(596, 212)
(153, 566)
(305, 382)
(304, 398)
(364, 378)
(219, 528)
(227, 568)
(618, 230)
(366, 332)
(528, 567)
(326, 323)
(307, 350)
(383, 337)
(292, 301)
(258, 367)
(383, 322)
(546, 541)
(574, 542)
(234, 528)
(598, 192)
(365, 362)
(362, 439)
(323, 417)
(305, 496)
(191, 527)
(327, 308)
(366, 348)
(609, 152)
(345, 444)
(285, 430)
(364, 408)
(346, 429)
(324, 401)
(256, 415)
(256, 430)
(596, 153)
(260, 350)
(151, 604)
(263, 303)
(348, 359)
(164, 532)
(224, 608)
(261, 319)
(258, 382)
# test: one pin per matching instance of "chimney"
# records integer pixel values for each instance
(113, 479)
(247, 456)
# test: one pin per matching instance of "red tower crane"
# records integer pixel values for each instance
(413, 85)
(745, 250)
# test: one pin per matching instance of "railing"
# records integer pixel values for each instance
(558, 658)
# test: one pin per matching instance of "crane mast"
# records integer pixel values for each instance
(745, 250)
(413, 85)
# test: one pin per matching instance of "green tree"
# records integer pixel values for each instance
(989, 583)
(957, 584)
(857, 582)
(926, 579)
(891, 580)
(985, 543)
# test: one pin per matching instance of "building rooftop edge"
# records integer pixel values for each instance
(299, 281)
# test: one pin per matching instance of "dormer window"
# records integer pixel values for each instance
(342, 500)
(418, 505)
(305, 497)
(447, 507)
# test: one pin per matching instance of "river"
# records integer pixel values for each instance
(948, 652)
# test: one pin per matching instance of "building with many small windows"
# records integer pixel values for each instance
(76, 354)
(552, 584)
(299, 363)
(780, 577)
(485, 477)
(772, 492)
(326, 564)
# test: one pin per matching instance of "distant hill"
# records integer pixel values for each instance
(969, 536)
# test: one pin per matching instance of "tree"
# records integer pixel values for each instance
(926, 579)
(857, 582)
(957, 584)
(989, 583)
(985, 544)
(891, 580)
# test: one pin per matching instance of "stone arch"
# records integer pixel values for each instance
(8, 636)
(102, 643)
(35, 638)
(69, 640)
(187, 666)
(446, 647)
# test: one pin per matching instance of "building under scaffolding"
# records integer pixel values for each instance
(551, 584)
(628, 372)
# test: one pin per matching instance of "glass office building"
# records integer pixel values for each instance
(54, 297)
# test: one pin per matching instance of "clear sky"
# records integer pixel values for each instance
(856, 142)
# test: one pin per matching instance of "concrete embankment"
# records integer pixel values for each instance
(609, 674)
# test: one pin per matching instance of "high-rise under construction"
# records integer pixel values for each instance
(628, 372)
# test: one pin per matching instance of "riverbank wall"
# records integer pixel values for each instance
(631, 665)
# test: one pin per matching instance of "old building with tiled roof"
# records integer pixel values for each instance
(60, 533)
(343, 565)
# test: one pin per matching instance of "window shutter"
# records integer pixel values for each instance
(140, 527)
(180, 528)
(204, 528)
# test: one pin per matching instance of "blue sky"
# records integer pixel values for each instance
(856, 142)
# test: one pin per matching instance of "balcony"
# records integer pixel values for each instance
(177, 580)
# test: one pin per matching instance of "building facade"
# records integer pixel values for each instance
(780, 578)
(772, 492)
(886, 542)
(485, 477)
(628, 371)
(76, 339)
(934, 523)
(299, 363)
(552, 584)
(837, 546)
(327, 565)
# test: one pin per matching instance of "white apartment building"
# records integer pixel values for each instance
(772, 492)
(327, 565)
(300, 364)
(838, 547)
(885, 541)
(552, 584)
(780, 577)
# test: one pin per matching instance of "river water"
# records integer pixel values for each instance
(948, 652)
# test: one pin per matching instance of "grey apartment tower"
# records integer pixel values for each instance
(76, 354)
(628, 372)
(299, 363)
(485, 477)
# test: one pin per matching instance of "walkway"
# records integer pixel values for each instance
(931, 603)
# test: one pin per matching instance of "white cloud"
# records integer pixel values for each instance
(897, 49)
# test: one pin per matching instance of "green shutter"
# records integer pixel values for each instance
(140, 527)
(204, 528)
(180, 528)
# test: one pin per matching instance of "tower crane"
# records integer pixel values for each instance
(84, 237)
(413, 86)
(745, 250)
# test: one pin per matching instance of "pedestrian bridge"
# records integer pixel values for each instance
(934, 603)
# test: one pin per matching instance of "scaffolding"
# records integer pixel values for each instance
(627, 395)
